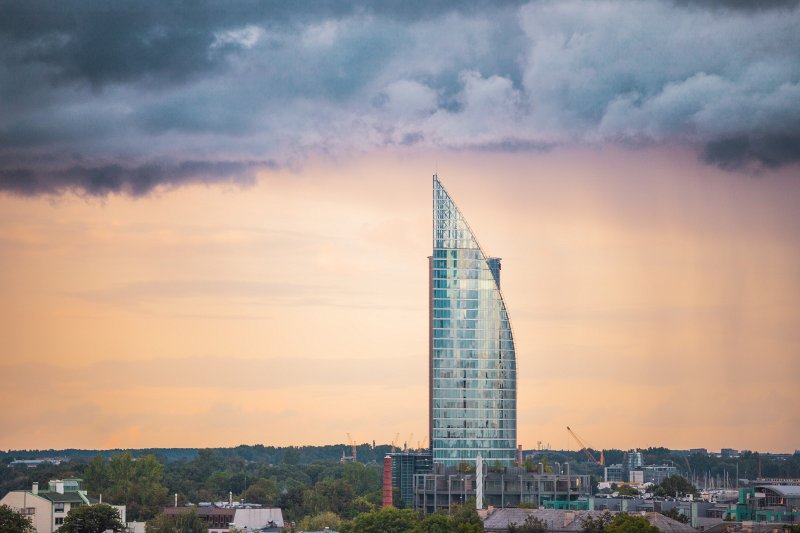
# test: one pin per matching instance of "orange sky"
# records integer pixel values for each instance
(653, 300)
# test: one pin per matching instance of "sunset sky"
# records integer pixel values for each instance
(215, 222)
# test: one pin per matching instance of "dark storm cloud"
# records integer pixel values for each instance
(138, 180)
(105, 97)
(770, 151)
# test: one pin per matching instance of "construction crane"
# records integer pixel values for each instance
(585, 449)
(394, 442)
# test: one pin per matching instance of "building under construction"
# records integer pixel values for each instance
(506, 487)
(405, 465)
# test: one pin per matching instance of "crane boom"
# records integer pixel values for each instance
(584, 447)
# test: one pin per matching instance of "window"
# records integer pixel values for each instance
(59, 520)
(58, 507)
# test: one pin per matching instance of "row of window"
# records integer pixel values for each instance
(460, 234)
(474, 433)
(474, 344)
(493, 305)
(463, 424)
(488, 315)
(473, 403)
(471, 314)
(472, 390)
(490, 323)
(455, 455)
(493, 373)
(505, 364)
(464, 278)
(474, 423)
(462, 244)
(440, 252)
(460, 264)
(497, 335)
(508, 413)
(498, 383)
(473, 444)
(447, 290)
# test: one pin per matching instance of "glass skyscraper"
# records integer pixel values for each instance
(473, 371)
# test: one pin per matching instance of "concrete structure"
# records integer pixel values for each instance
(503, 487)
(47, 508)
(405, 465)
(33, 463)
(614, 474)
(472, 362)
(655, 474)
(641, 474)
(767, 503)
(246, 518)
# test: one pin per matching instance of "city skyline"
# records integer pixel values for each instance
(215, 223)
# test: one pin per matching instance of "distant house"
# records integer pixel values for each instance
(47, 508)
(246, 518)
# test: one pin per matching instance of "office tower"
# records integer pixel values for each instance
(473, 375)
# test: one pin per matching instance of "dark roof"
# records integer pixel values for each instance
(67, 497)
(669, 525)
(201, 511)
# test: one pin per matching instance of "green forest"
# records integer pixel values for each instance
(308, 483)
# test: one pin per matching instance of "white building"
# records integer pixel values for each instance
(47, 508)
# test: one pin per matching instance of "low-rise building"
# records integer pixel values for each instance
(245, 518)
(655, 474)
(768, 503)
(614, 474)
(505, 487)
(405, 465)
(47, 509)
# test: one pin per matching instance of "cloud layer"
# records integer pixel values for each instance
(99, 98)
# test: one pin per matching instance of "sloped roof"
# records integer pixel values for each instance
(569, 521)
(66, 497)
(783, 490)
(669, 525)
(555, 519)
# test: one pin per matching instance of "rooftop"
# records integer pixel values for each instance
(570, 521)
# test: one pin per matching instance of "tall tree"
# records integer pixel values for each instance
(92, 519)
(596, 524)
(532, 524)
(628, 523)
(10, 520)
(321, 521)
(674, 486)
(386, 520)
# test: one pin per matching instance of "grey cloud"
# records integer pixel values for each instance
(105, 99)
(770, 151)
(102, 179)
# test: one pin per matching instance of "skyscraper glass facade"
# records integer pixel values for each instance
(473, 372)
